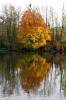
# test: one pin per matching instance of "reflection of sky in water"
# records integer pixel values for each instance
(52, 87)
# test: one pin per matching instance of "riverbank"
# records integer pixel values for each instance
(51, 47)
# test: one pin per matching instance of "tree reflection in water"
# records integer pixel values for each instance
(8, 75)
(32, 73)
(42, 76)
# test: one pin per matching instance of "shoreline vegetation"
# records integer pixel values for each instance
(30, 31)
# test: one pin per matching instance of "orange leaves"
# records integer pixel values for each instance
(27, 19)
(28, 15)
(33, 18)
(33, 32)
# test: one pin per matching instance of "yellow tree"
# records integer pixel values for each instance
(33, 32)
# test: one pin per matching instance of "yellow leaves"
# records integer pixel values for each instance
(39, 29)
(32, 30)
(48, 37)
(44, 42)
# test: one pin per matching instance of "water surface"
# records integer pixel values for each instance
(32, 76)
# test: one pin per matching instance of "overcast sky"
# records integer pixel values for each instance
(41, 4)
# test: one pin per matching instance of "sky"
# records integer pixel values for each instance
(41, 4)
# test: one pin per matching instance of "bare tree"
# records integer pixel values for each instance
(51, 20)
(11, 18)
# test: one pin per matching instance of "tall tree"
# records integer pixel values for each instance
(33, 31)
(52, 20)
(11, 18)
(63, 30)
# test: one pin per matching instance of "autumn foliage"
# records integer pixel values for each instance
(33, 32)
(33, 69)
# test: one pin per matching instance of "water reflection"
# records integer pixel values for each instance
(8, 75)
(33, 69)
(34, 74)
